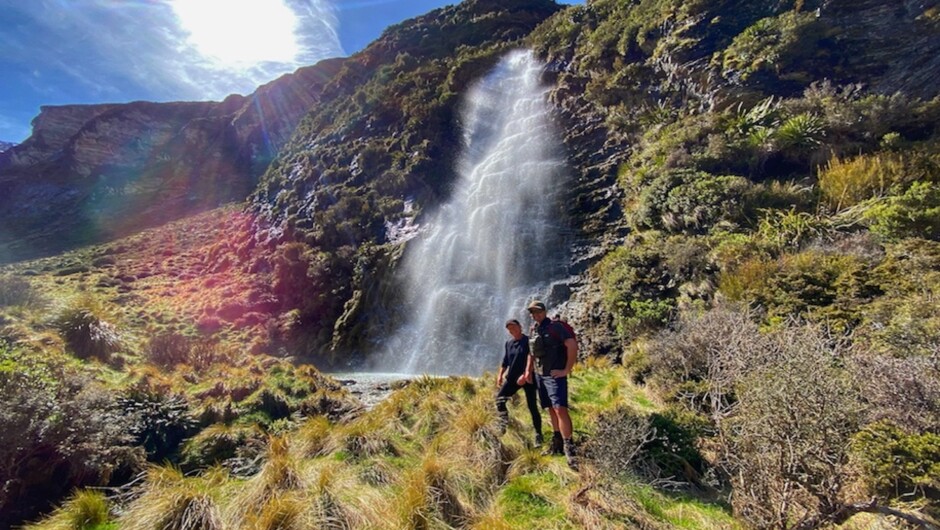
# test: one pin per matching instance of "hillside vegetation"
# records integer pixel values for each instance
(756, 215)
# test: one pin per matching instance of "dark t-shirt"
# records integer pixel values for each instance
(553, 335)
(514, 359)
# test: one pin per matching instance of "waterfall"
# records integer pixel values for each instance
(497, 243)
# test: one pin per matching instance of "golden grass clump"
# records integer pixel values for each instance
(330, 511)
(85, 510)
(412, 507)
(312, 436)
(280, 474)
(281, 512)
(845, 183)
(473, 442)
(171, 501)
(366, 436)
(443, 494)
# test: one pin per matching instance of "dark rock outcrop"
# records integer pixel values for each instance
(90, 173)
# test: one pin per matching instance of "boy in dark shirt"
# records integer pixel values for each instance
(512, 377)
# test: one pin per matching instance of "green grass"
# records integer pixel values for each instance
(532, 501)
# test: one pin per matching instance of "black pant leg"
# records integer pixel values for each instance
(532, 402)
(505, 392)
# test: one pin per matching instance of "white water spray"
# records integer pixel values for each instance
(497, 243)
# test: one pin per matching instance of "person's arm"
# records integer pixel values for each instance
(571, 347)
(500, 375)
(571, 356)
(526, 376)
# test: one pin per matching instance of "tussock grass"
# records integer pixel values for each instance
(282, 512)
(280, 474)
(430, 457)
(847, 182)
(171, 501)
(366, 436)
(312, 435)
(85, 510)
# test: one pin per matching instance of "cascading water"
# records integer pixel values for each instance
(496, 244)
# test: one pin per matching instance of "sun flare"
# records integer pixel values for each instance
(240, 33)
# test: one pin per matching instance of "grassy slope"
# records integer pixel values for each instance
(428, 457)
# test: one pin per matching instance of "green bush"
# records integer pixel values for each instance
(773, 45)
(634, 280)
(814, 284)
(690, 201)
(916, 213)
(899, 464)
(58, 430)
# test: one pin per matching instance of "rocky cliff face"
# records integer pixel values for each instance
(93, 172)
(617, 70)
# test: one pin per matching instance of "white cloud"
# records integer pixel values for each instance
(111, 49)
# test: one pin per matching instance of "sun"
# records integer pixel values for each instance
(239, 33)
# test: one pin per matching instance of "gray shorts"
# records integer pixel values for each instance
(553, 392)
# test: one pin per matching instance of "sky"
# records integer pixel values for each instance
(57, 52)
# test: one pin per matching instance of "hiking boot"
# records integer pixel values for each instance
(555, 447)
(570, 455)
(539, 440)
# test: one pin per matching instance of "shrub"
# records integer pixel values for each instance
(847, 182)
(902, 390)
(703, 353)
(916, 213)
(812, 284)
(657, 447)
(16, 291)
(168, 349)
(899, 464)
(786, 438)
(773, 45)
(793, 229)
(690, 201)
(58, 430)
(634, 280)
(160, 422)
(86, 332)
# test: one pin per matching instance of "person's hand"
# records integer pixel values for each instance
(499, 381)
(523, 379)
(558, 373)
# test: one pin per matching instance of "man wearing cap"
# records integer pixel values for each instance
(553, 354)
(512, 377)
